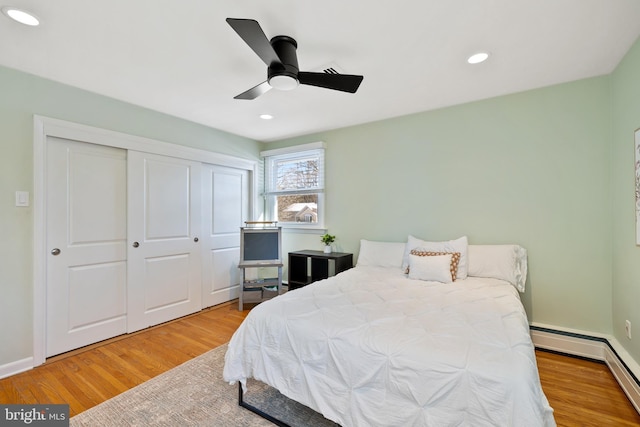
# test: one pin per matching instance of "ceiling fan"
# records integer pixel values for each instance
(279, 54)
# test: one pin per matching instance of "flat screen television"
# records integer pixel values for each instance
(260, 245)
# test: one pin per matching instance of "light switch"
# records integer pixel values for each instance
(22, 198)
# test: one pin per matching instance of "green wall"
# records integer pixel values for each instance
(626, 255)
(531, 168)
(22, 96)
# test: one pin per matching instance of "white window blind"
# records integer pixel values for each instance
(294, 185)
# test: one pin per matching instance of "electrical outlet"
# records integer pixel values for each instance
(627, 328)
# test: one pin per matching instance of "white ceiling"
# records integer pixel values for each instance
(183, 59)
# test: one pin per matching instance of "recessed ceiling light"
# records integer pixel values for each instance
(21, 16)
(478, 58)
(266, 116)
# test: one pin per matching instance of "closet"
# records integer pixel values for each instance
(135, 232)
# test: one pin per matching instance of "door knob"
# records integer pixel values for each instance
(136, 244)
(55, 251)
(195, 239)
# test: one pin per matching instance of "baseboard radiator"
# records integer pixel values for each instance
(603, 348)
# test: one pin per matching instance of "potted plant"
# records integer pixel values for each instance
(327, 239)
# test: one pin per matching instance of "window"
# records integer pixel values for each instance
(294, 185)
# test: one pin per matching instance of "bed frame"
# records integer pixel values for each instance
(257, 411)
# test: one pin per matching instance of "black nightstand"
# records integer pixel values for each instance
(309, 266)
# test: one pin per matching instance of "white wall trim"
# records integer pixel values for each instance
(16, 367)
(600, 347)
(45, 127)
(39, 243)
(69, 130)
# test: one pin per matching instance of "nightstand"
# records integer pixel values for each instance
(309, 266)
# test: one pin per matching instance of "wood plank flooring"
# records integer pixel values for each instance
(582, 393)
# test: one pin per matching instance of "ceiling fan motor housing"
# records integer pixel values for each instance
(284, 75)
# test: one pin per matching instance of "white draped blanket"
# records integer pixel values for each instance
(370, 347)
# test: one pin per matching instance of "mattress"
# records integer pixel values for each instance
(371, 347)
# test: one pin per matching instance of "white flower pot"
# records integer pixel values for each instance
(327, 249)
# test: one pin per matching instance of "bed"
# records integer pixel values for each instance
(382, 344)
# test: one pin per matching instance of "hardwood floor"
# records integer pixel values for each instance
(89, 376)
(582, 393)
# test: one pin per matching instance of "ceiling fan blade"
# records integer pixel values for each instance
(343, 82)
(251, 32)
(255, 91)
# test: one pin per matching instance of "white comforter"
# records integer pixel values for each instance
(370, 347)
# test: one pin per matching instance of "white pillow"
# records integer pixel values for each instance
(458, 245)
(435, 268)
(380, 254)
(505, 262)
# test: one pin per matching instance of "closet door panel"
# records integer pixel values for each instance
(86, 213)
(164, 231)
(224, 269)
(226, 207)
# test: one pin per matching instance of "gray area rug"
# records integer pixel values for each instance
(194, 394)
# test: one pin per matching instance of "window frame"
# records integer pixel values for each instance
(270, 193)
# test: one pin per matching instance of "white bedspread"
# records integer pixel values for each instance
(370, 347)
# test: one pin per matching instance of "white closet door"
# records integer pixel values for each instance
(86, 264)
(225, 195)
(164, 251)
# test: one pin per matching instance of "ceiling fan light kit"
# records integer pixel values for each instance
(283, 73)
(282, 82)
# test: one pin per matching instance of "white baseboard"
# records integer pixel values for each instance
(16, 367)
(603, 348)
